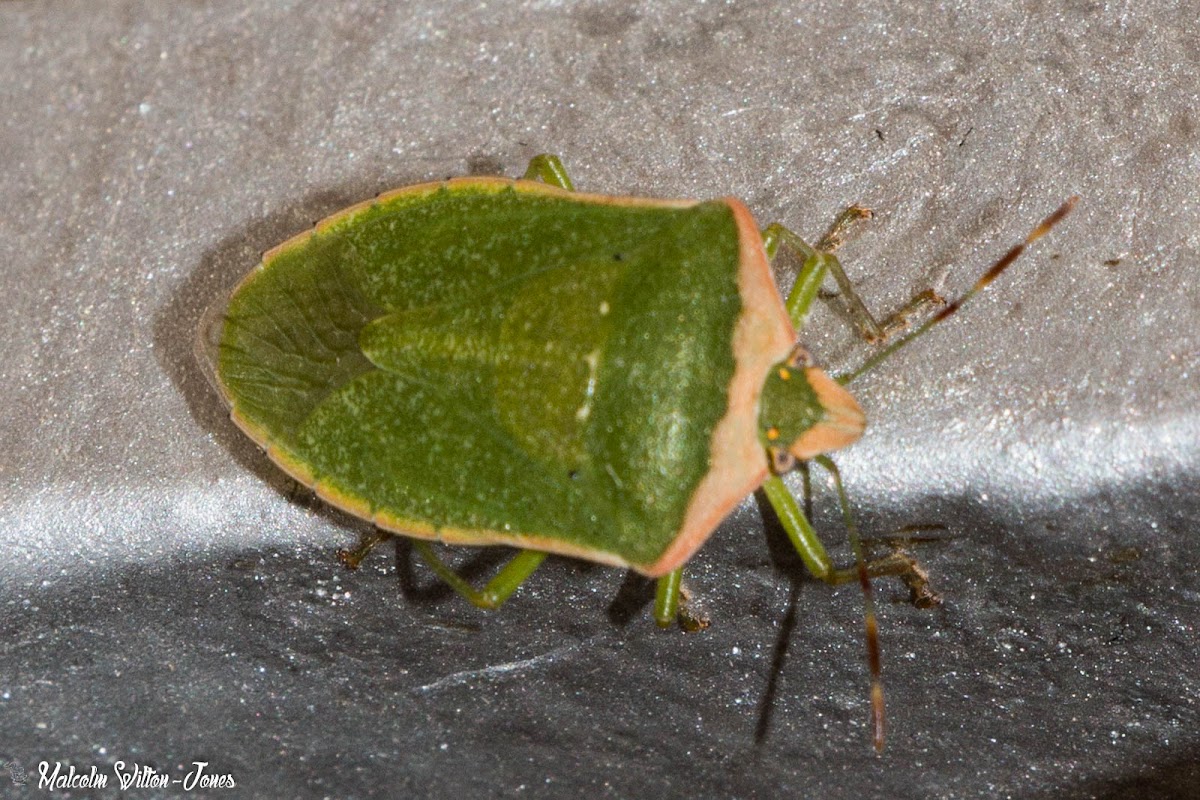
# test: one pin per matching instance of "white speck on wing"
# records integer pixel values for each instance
(593, 361)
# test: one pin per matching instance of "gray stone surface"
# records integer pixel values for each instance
(167, 597)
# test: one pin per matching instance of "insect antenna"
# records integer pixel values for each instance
(861, 567)
(870, 620)
(993, 272)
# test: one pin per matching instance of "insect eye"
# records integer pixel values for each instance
(781, 460)
(800, 357)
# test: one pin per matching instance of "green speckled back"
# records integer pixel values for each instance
(487, 357)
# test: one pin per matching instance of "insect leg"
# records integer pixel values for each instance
(666, 598)
(548, 168)
(816, 259)
(819, 262)
(808, 280)
(839, 231)
(816, 559)
(992, 273)
(798, 529)
(673, 603)
(812, 552)
(498, 589)
(366, 543)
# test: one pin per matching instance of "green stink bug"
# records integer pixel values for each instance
(490, 361)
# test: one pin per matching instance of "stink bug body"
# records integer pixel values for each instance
(490, 361)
